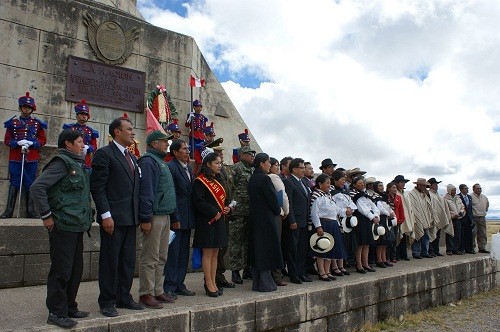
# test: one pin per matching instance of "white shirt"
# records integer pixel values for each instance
(367, 208)
(323, 207)
(343, 202)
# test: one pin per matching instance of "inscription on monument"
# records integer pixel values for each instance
(105, 85)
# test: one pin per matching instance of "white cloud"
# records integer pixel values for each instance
(391, 86)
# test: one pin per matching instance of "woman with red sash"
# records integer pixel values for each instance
(210, 205)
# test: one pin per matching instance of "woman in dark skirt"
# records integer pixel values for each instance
(264, 209)
(386, 215)
(367, 213)
(210, 207)
(324, 214)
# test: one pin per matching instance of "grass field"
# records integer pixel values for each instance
(492, 227)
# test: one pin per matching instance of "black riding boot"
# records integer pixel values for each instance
(30, 207)
(11, 203)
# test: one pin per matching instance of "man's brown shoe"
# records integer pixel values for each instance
(150, 302)
(165, 298)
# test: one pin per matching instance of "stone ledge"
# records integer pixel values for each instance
(345, 304)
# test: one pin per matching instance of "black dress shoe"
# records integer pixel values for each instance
(172, 294)
(305, 279)
(130, 305)
(324, 277)
(406, 259)
(236, 278)
(381, 265)
(210, 293)
(226, 284)
(388, 264)
(439, 254)
(337, 274)
(295, 280)
(64, 322)
(78, 314)
(247, 274)
(345, 272)
(425, 256)
(185, 292)
(484, 251)
(368, 269)
(109, 312)
(362, 271)
(417, 256)
(472, 252)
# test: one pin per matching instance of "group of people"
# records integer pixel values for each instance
(271, 218)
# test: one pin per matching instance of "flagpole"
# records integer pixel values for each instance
(192, 120)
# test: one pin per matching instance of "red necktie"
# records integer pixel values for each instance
(129, 160)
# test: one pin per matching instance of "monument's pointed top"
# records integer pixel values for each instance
(129, 6)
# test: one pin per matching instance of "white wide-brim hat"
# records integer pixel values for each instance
(323, 243)
(377, 231)
(349, 223)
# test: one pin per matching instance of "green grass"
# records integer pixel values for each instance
(433, 316)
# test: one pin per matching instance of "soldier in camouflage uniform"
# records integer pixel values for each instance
(239, 232)
(226, 175)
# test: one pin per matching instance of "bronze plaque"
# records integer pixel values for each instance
(105, 85)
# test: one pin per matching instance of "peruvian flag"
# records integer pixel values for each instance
(151, 123)
(197, 82)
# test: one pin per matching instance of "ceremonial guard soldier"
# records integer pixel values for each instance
(90, 135)
(244, 139)
(174, 129)
(24, 135)
(196, 122)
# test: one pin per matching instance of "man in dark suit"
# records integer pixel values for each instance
(178, 251)
(467, 244)
(295, 230)
(114, 184)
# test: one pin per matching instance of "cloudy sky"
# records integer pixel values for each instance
(390, 86)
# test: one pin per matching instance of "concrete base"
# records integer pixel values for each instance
(342, 305)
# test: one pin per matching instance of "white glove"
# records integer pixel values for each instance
(85, 148)
(191, 116)
(22, 142)
(29, 143)
(24, 148)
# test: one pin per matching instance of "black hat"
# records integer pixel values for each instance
(400, 178)
(433, 180)
(327, 162)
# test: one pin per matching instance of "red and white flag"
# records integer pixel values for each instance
(151, 123)
(197, 82)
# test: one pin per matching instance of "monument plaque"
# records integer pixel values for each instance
(105, 85)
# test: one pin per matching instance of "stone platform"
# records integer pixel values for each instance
(341, 305)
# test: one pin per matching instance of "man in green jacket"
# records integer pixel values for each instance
(157, 203)
(61, 195)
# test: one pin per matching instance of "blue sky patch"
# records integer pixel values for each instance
(173, 6)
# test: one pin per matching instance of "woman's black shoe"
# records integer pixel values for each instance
(345, 272)
(338, 274)
(381, 265)
(362, 271)
(324, 277)
(209, 293)
(369, 269)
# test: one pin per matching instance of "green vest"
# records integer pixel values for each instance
(69, 198)
(165, 201)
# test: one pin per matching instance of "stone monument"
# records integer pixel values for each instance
(62, 51)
